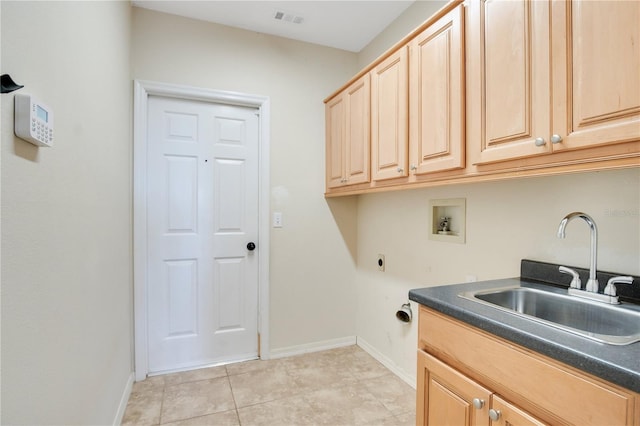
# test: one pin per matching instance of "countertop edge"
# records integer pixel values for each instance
(508, 329)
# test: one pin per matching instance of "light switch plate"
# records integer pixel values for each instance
(277, 219)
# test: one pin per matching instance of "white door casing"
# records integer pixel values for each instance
(197, 261)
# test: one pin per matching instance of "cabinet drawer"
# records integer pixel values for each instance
(542, 386)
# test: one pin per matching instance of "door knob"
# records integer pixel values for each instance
(251, 246)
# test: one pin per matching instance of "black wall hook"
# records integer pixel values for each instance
(8, 85)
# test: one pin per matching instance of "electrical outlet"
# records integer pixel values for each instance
(381, 262)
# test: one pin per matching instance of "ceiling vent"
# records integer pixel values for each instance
(287, 17)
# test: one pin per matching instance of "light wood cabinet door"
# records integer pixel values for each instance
(358, 119)
(445, 397)
(508, 414)
(596, 72)
(436, 101)
(509, 86)
(348, 123)
(389, 117)
(335, 112)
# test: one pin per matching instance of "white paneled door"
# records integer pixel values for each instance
(202, 219)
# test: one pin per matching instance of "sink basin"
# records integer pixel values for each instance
(614, 325)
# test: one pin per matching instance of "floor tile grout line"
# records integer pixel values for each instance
(356, 380)
(199, 416)
(235, 409)
(197, 380)
(233, 396)
(164, 387)
(309, 391)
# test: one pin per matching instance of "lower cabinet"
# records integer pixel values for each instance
(467, 376)
(448, 397)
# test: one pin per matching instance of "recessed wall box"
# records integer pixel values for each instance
(33, 120)
(448, 219)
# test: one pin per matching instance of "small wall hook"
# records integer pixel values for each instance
(8, 85)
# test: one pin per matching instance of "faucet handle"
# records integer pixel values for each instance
(610, 289)
(575, 282)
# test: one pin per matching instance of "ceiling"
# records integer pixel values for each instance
(347, 25)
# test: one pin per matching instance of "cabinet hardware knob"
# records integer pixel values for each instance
(251, 246)
(478, 403)
(400, 170)
(540, 142)
(556, 138)
(494, 414)
(413, 167)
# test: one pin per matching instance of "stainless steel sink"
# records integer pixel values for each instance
(615, 325)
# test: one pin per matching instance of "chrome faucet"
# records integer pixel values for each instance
(591, 290)
(592, 283)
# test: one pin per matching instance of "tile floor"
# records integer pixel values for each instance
(344, 386)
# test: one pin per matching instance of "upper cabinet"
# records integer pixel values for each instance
(552, 76)
(389, 116)
(490, 89)
(508, 65)
(347, 119)
(596, 72)
(436, 96)
(335, 133)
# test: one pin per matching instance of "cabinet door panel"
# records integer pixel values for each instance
(389, 121)
(445, 396)
(596, 69)
(512, 45)
(445, 407)
(437, 96)
(507, 71)
(335, 134)
(358, 131)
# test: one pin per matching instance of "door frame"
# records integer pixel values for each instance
(142, 90)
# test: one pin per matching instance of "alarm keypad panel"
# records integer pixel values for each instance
(33, 120)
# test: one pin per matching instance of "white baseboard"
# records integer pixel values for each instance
(384, 360)
(313, 347)
(124, 400)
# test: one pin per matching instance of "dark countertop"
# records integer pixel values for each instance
(616, 364)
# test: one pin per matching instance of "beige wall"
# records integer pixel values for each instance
(312, 272)
(66, 216)
(506, 222)
(409, 20)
